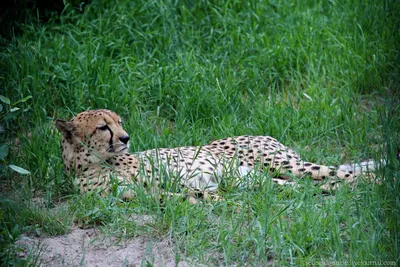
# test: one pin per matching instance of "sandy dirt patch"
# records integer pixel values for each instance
(88, 247)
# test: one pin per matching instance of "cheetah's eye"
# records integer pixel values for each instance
(103, 128)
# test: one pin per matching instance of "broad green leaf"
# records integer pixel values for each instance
(12, 114)
(2, 129)
(3, 151)
(19, 169)
(1, 107)
(22, 100)
(4, 100)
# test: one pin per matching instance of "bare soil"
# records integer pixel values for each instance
(88, 247)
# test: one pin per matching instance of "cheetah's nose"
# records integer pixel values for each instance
(124, 139)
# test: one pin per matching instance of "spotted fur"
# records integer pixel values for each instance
(95, 149)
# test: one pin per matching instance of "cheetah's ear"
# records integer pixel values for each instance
(66, 128)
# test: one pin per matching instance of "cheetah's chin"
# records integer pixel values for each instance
(124, 149)
(117, 149)
(121, 150)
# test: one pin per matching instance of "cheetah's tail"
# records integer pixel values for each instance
(361, 167)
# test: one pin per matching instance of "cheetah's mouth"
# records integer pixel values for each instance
(117, 148)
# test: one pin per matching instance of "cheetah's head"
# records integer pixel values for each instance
(90, 137)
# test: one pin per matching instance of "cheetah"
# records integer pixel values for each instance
(95, 150)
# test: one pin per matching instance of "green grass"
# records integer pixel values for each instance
(320, 76)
